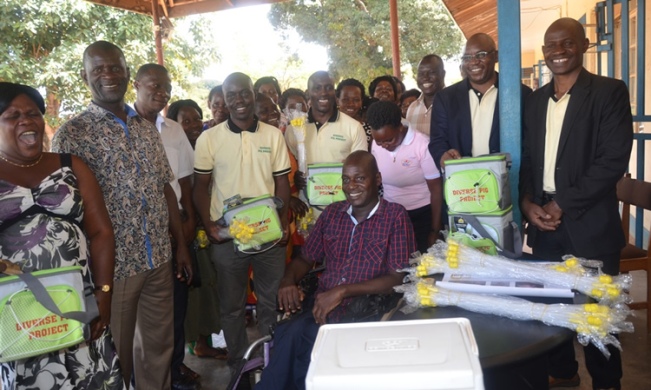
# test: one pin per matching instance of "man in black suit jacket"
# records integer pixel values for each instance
(577, 143)
(453, 132)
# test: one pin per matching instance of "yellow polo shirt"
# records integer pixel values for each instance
(333, 142)
(241, 162)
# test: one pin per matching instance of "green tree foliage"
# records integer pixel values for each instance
(43, 42)
(357, 33)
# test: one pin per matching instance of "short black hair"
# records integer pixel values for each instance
(380, 114)
(350, 83)
(317, 74)
(146, 68)
(378, 80)
(174, 108)
(282, 100)
(214, 91)
(236, 76)
(409, 93)
(10, 91)
(267, 80)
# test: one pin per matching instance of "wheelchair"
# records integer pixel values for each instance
(253, 365)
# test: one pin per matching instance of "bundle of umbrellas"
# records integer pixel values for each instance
(593, 322)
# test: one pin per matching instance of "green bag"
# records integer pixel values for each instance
(477, 185)
(260, 215)
(485, 245)
(44, 311)
(497, 227)
(324, 185)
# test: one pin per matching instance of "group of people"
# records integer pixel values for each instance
(126, 189)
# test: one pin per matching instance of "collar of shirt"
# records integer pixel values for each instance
(333, 118)
(235, 129)
(479, 94)
(94, 109)
(493, 88)
(349, 211)
(552, 94)
(160, 121)
(409, 137)
(421, 100)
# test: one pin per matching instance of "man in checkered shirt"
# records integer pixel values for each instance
(364, 241)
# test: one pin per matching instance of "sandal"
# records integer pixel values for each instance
(215, 353)
(187, 372)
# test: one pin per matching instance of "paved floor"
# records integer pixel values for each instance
(636, 354)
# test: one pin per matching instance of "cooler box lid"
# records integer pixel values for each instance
(436, 354)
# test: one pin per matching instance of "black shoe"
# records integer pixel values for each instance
(574, 381)
(186, 383)
(245, 382)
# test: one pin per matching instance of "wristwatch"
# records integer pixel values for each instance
(103, 288)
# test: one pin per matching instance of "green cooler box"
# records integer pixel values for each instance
(497, 224)
(477, 185)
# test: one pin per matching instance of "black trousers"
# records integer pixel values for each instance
(421, 219)
(180, 310)
(562, 362)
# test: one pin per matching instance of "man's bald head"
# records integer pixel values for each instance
(239, 78)
(482, 39)
(568, 24)
(478, 62)
(102, 46)
(362, 159)
(430, 76)
(318, 74)
(361, 180)
(564, 45)
(239, 98)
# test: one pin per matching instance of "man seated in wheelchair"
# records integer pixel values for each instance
(363, 241)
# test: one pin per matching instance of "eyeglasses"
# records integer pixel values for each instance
(480, 55)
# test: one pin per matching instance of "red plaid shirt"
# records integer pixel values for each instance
(357, 253)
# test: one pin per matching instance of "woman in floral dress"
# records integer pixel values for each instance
(52, 215)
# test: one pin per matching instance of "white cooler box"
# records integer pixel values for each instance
(438, 354)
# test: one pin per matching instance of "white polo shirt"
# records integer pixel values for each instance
(178, 150)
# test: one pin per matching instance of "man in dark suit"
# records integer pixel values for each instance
(577, 143)
(465, 116)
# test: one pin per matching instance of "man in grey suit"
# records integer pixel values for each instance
(577, 143)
